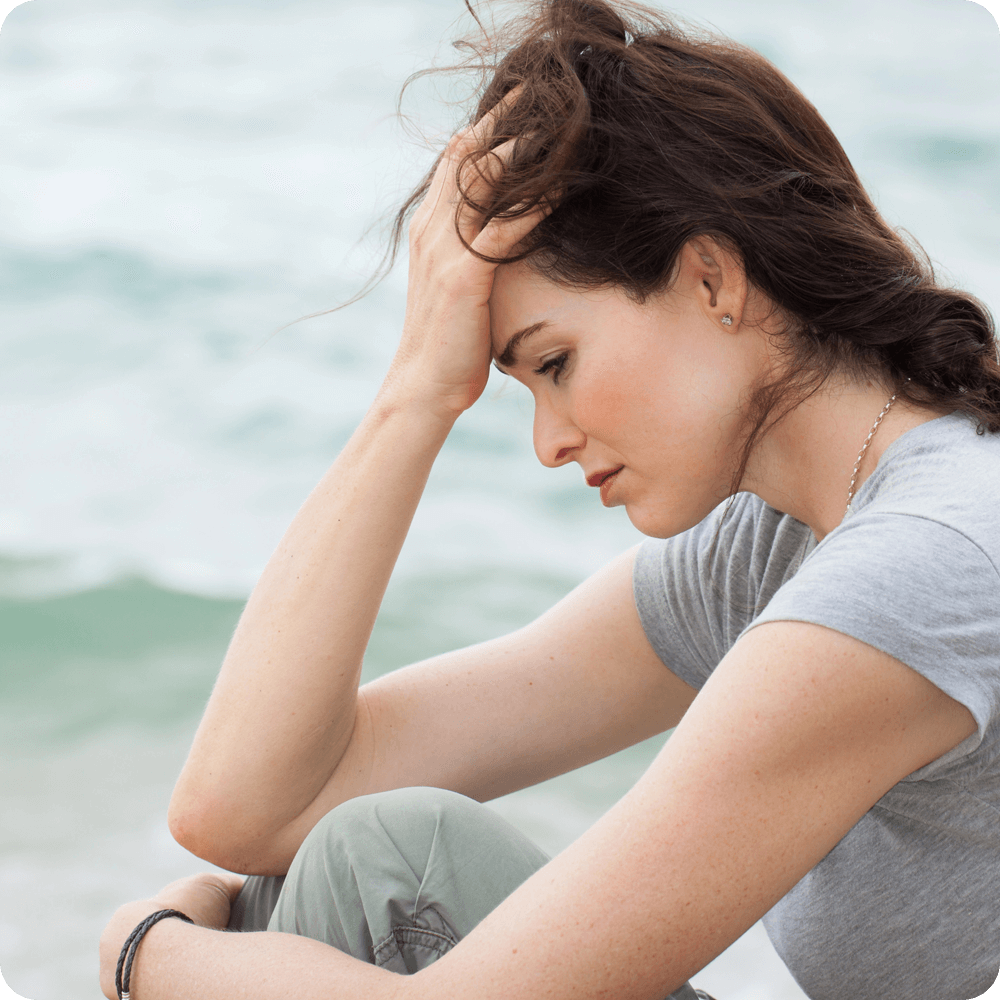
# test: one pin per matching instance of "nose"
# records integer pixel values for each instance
(557, 439)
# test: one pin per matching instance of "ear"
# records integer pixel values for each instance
(716, 280)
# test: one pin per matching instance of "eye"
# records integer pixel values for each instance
(556, 366)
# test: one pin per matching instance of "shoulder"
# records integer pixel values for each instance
(922, 552)
(913, 588)
(926, 519)
(907, 573)
(946, 472)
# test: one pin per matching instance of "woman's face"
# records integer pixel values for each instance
(645, 398)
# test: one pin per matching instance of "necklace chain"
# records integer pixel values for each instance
(864, 448)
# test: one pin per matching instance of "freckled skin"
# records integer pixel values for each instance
(655, 388)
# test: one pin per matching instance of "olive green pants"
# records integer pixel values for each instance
(396, 879)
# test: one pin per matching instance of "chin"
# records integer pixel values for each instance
(661, 521)
(655, 524)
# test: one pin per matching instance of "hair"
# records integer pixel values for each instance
(648, 135)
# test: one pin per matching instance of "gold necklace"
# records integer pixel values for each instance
(864, 448)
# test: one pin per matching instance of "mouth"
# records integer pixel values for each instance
(599, 478)
(605, 480)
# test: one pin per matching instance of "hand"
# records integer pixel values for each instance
(205, 898)
(445, 350)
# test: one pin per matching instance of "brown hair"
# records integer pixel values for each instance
(652, 135)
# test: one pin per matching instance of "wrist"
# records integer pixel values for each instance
(125, 920)
(414, 385)
(418, 402)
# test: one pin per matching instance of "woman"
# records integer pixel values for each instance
(662, 239)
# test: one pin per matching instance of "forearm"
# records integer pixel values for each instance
(283, 708)
(178, 961)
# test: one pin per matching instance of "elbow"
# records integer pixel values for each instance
(200, 827)
(190, 825)
(210, 831)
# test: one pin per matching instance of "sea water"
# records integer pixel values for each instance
(178, 180)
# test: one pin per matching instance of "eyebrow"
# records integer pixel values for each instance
(508, 357)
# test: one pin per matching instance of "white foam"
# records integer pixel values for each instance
(231, 162)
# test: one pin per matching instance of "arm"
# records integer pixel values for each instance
(286, 737)
(290, 676)
(579, 683)
(798, 733)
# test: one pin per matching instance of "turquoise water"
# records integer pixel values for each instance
(179, 180)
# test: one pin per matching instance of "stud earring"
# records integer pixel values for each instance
(727, 320)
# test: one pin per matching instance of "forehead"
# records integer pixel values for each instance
(517, 289)
(521, 297)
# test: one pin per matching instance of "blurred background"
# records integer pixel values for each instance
(179, 179)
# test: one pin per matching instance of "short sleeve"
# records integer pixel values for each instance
(697, 592)
(918, 590)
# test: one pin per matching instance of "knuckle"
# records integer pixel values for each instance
(417, 234)
(458, 145)
(454, 279)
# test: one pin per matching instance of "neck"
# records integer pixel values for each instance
(803, 467)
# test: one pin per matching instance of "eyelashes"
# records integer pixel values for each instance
(554, 366)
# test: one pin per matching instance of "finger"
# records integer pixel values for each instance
(480, 134)
(435, 196)
(444, 183)
(479, 182)
(501, 236)
(232, 883)
(466, 193)
(476, 182)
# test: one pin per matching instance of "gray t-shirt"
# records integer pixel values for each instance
(907, 905)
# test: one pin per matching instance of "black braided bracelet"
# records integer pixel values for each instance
(131, 946)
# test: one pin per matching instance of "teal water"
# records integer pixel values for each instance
(177, 181)
(75, 663)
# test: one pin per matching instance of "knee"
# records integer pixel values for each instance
(415, 830)
(402, 806)
(367, 855)
(421, 858)
(368, 824)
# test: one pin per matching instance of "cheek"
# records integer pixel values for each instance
(604, 407)
(698, 393)
(674, 419)
(679, 408)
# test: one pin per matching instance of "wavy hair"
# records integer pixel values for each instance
(652, 134)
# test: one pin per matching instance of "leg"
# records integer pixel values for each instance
(399, 878)
(396, 879)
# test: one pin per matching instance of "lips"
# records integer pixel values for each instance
(597, 479)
